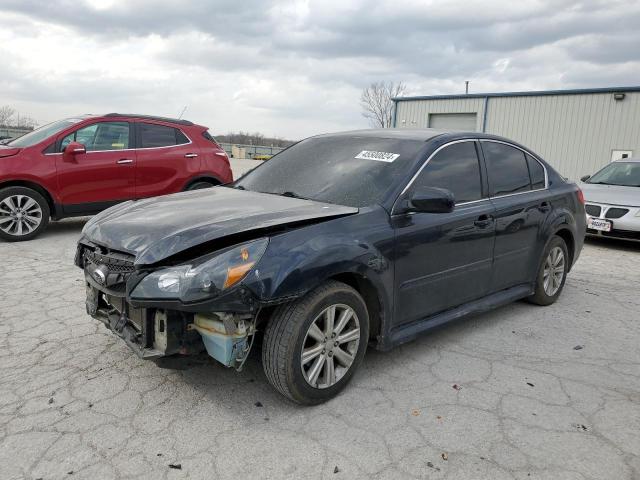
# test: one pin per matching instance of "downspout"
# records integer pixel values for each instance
(484, 114)
(395, 111)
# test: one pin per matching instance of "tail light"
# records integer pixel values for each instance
(581, 197)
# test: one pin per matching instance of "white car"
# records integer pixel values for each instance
(613, 200)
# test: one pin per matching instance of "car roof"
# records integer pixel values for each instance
(420, 134)
(622, 160)
(151, 117)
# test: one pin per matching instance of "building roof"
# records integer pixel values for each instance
(532, 93)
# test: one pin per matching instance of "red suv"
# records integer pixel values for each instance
(79, 166)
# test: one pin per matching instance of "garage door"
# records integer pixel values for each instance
(453, 121)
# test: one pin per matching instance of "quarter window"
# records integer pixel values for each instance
(507, 169)
(455, 168)
(100, 136)
(536, 171)
(152, 135)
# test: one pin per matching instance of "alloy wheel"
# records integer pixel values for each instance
(330, 346)
(553, 273)
(19, 215)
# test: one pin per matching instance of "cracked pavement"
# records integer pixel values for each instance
(523, 392)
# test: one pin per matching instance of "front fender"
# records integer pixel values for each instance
(299, 260)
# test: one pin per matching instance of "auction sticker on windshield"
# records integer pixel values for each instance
(379, 156)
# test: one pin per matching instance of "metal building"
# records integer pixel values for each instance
(577, 131)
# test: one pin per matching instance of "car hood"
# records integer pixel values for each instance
(8, 151)
(611, 194)
(157, 228)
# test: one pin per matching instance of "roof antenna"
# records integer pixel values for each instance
(182, 112)
(466, 87)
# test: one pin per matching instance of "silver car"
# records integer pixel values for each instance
(613, 200)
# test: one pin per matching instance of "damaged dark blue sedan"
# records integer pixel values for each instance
(340, 242)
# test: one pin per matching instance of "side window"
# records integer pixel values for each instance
(455, 168)
(100, 136)
(152, 135)
(507, 169)
(536, 171)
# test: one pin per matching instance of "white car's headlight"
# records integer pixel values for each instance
(204, 279)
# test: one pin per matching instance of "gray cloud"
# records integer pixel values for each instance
(295, 68)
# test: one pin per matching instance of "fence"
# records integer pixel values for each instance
(12, 132)
(258, 152)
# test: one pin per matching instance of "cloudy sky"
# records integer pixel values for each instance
(295, 68)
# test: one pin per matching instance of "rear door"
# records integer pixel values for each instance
(166, 159)
(101, 176)
(444, 259)
(517, 186)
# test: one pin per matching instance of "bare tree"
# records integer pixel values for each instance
(10, 118)
(376, 102)
(6, 113)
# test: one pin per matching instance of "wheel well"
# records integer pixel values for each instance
(34, 186)
(567, 236)
(211, 180)
(370, 296)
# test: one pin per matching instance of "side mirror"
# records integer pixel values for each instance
(585, 178)
(75, 148)
(432, 200)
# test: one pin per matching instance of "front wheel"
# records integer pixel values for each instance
(552, 272)
(313, 346)
(24, 214)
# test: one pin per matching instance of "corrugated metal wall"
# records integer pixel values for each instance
(574, 133)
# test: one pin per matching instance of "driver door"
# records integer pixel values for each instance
(445, 259)
(104, 175)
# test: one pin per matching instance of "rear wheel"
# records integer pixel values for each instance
(313, 346)
(552, 272)
(200, 185)
(24, 214)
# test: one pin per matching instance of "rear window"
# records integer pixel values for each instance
(208, 136)
(153, 136)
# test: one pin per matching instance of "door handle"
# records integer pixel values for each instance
(124, 161)
(190, 155)
(544, 207)
(483, 221)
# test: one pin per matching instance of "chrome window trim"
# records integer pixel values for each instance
(489, 197)
(190, 142)
(441, 147)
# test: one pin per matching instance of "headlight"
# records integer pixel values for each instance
(203, 279)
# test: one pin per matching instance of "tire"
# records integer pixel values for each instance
(556, 252)
(24, 214)
(199, 186)
(289, 332)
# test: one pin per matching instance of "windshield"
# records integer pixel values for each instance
(353, 171)
(42, 133)
(626, 174)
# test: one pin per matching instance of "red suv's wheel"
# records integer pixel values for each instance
(24, 214)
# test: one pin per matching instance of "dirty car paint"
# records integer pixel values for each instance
(158, 228)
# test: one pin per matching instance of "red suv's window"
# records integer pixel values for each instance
(100, 136)
(152, 135)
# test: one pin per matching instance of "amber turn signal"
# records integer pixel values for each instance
(235, 274)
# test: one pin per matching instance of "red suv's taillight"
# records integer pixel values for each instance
(581, 197)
